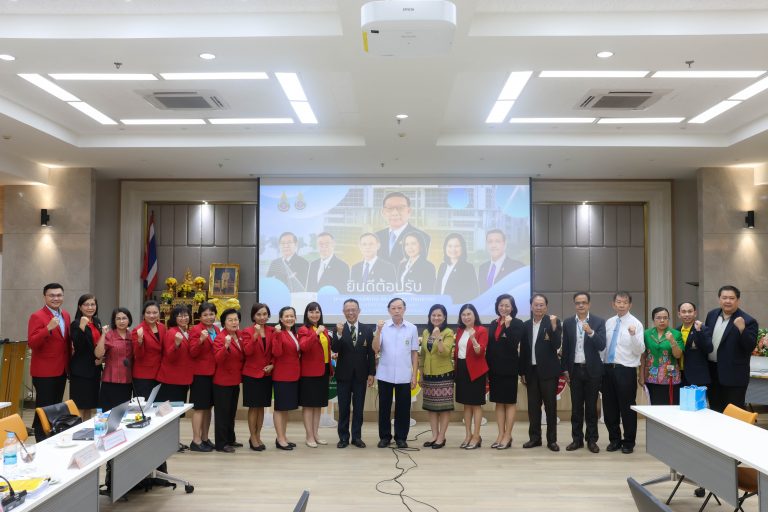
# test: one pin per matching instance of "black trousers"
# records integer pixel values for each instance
(540, 391)
(48, 391)
(720, 396)
(225, 400)
(659, 394)
(619, 391)
(584, 391)
(351, 393)
(402, 410)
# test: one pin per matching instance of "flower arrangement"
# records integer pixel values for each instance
(199, 297)
(199, 282)
(185, 289)
(171, 282)
(761, 347)
(166, 297)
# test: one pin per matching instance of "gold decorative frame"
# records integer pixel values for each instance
(231, 285)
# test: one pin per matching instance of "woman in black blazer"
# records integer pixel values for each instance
(414, 273)
(505, 334)
(456, 276)
(84, 366)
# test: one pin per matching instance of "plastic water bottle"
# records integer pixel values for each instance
(10, 455)
(99, 425)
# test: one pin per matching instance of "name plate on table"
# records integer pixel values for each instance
(111, 440)
(164, 409)
(84, 456)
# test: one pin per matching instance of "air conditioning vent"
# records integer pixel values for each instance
(184, 100)
(619, 100)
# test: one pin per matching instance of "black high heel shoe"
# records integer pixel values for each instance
(504, 446)
(259, 448)
(427, 444)
(437, 446)
(288, 447)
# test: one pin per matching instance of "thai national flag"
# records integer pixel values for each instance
(149, 272)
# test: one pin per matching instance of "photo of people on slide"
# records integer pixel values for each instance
(434, 243)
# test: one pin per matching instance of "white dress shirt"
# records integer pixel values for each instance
(578, 355)
(462, 345)
(398, 342)
(446, 276)
(629, 349)
(536, 326)
(717, 335)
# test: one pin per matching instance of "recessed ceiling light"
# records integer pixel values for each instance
(258, 75)
(401, 116)
(6, 57)
(291, 86)
(161, 121)
(752, 90)
(48, 86)
(252, 120)
(605, 54)
(706, 74)
(593, 74)
(304, 112)
(207, 56)
(499, 112)
(640, 120)
(91, 112)
(714, 111)
(514, 85)
(103, 76)
(552, 120)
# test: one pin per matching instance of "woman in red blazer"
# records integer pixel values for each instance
(228, 351)
(315, 371)
(285, 375)
(257, 373)
(175, 373)
(147, 340)
(471, 372)
(201, 339)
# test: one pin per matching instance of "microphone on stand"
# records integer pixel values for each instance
(144, 421)
(14, 499)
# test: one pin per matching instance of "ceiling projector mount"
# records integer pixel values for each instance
(408, 28)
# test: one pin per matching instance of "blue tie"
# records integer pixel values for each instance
(614, 342)
(392, 240)
(365, 271)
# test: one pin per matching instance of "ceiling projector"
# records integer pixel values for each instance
(408, 28)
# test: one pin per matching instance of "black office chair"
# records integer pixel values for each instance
(301, 505)
(644, 500)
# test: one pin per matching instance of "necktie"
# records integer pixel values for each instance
(491, 275)
(614, 342)
(60, 317)
(321, 271)
(353, 333)
(366, 269)
(392, 240)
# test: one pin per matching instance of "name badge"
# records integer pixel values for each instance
(84, 456)
(164, 409)
(111, 440)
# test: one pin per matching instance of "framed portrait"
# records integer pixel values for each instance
(224, 280)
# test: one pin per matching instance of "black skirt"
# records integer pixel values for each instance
(113, 394)
(503, 388)
(286, 395)
(469, 392)
(172, 393)
(313, 391)
(85, 391)
(257, 392)
(143, 387)
(201, 392)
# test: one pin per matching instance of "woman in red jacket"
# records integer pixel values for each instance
(228, 351)
(147, 340)
(257, 373)
(315, 371)
(285, 375)
(201, 339)
(471, 372)
(175, 373)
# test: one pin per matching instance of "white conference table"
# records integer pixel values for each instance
(706, 446)
(78, 489)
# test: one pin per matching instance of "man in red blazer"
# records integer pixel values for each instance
(48, 338)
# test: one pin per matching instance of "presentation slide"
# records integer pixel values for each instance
(429, 244)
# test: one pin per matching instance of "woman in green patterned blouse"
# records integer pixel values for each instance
(660, 365)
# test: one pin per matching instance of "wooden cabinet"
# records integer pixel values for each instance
(12, 359)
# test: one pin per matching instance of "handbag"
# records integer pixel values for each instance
(64, 422)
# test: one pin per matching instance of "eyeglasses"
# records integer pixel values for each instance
(182, 315)
(54, 295)
(399, 209)
(581, 303)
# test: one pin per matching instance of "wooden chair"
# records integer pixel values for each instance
(48, 414)
(15, 424)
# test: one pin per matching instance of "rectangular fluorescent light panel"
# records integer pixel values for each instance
(707, 74)
(752, 90)
(103, 76)
(304, 112)
(592, 74)
(514, 85)
(91, 112)
(161, 121)
(552, 120)
(48, 86)
(714, 111)
(215, 76)
(640, 120)
(499, 112)
(291, 86)
(252, 120)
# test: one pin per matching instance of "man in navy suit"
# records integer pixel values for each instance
(329, 269)
(583, 339)
(373, 269)
(396, 209)
(698, 346)
(290, 268)
(734, 335)
(500, 264)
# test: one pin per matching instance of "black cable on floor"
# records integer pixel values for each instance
(403, 471)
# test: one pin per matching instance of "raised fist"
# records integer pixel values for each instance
(739, 323)
(697, 325)
(204, 335)
(54, 323)
(436, 332)
(587, 328)
(507, 320)
(227, 341)
(339, 328)
(140, 334)
(278, 328)
(178, 338)
(380, 324)
(321, 329)
(83, 322)
(669, 336)
(631, 330)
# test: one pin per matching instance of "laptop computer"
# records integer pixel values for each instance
(148, 403)
(113, 422)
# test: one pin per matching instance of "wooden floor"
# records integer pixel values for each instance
(450, 479)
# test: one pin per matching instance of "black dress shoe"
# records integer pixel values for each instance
(593, 447)
(209, 443)
(437, 446)
(287, 447)
(574, 446)
(532, 444)
(202, 447)
(553, 447)
(342, 444)
(427, 444)
(384, 443)
(236, 445)
(613, 446)
(401, 444)
(627, 449)
(359, 443)
(226, 449)
(254, 448)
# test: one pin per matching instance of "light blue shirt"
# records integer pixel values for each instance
(398, 342)
(60, 317)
